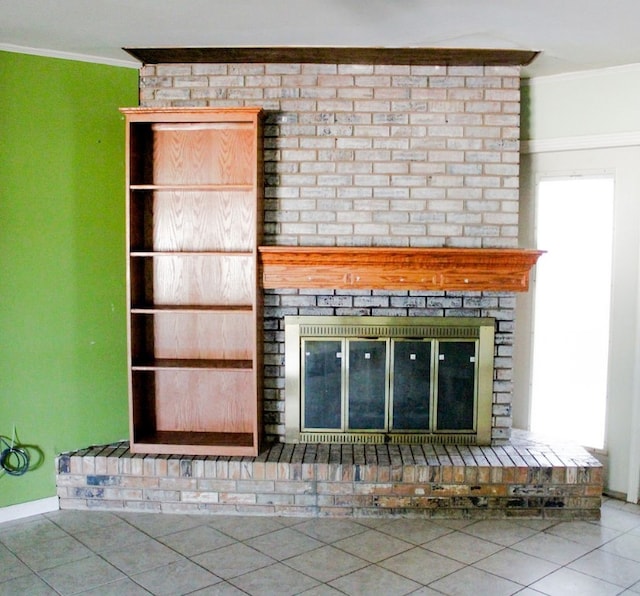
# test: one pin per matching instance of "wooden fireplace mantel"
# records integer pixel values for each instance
(381, 268)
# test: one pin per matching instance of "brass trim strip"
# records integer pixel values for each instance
(375, 331)
(393, 438)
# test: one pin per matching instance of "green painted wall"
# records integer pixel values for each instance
(63, 380)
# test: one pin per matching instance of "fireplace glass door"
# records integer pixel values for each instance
(388, 385)
(411, 384)
(456, 386)
(323, 381)
(366, 385)
(411, 380)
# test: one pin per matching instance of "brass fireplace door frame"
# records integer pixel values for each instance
(299, 328)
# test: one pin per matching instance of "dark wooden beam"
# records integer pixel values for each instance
(339, 55)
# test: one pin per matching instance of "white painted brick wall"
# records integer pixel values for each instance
(362, 131)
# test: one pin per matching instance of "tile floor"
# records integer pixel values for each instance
(107, 553)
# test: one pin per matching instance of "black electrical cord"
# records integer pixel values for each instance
(14, 460)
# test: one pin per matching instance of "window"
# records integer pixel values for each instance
(572, 308)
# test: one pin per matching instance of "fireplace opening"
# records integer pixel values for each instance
(389, 379)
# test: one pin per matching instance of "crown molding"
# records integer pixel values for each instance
(47, 53)
(582, 74)
(604, 141)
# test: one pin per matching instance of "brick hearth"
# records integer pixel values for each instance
(527, 477)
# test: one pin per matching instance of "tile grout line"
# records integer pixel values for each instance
(608, 505)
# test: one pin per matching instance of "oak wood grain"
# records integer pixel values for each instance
(381, 268)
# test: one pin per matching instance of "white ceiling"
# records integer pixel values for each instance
(573, 35)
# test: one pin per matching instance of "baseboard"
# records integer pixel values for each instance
(22, 510)
(614, 494)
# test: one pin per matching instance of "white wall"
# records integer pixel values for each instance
(602, 102)
(588, 123)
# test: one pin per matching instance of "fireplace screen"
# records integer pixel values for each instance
(369, 379)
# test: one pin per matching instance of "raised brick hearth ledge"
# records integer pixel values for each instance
(528, 477)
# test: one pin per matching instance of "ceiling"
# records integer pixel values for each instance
(573, 35)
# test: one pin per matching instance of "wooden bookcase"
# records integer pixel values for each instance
(194, 217)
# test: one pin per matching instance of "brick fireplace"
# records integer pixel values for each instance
(375, 155)
(412, 154)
